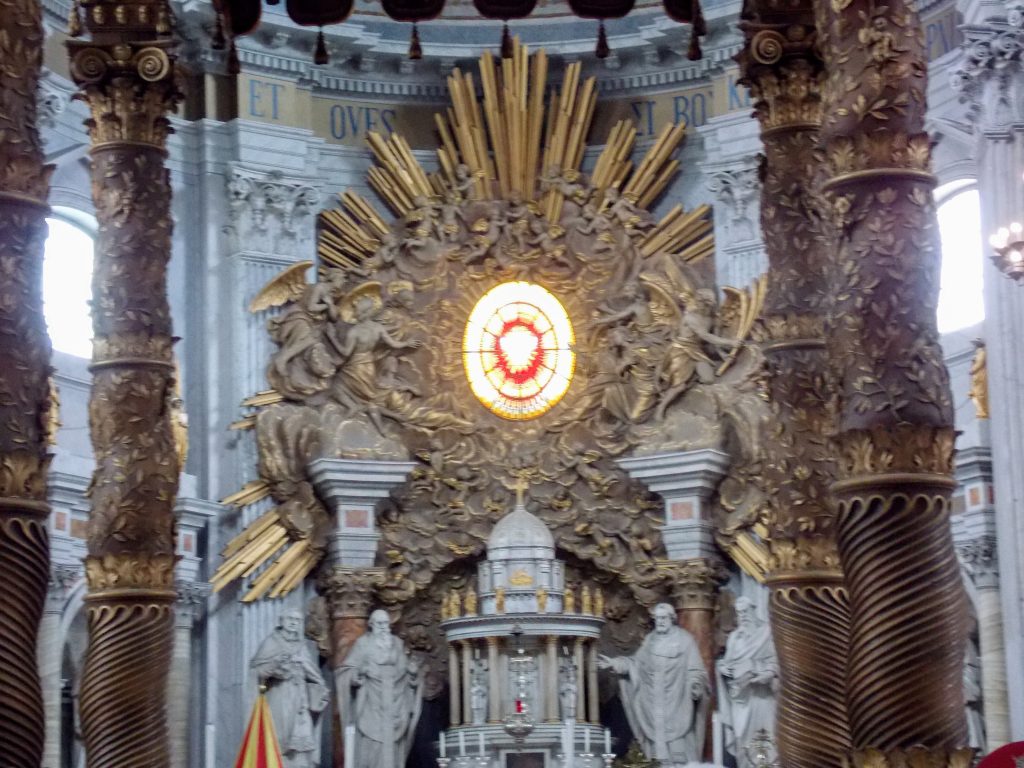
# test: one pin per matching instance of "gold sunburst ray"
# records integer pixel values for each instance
(516, 139)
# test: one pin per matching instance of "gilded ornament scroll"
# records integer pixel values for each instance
(130, 89)
(895, 418)
(25, 404)
(808, 601)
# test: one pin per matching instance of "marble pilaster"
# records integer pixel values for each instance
(979, 559)
(188, 609)
(494, 698)
(454, 689)
(62, 578)
(991, 80)
(730, 168)
(551, 678)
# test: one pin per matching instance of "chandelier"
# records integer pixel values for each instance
(1008, 250)
(241, 17)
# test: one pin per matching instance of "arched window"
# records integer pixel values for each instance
(961, 302)
(67, 281)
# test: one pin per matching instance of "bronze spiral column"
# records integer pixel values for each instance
(809, 606)
(24, 369)
(895, 416)
(126, 75)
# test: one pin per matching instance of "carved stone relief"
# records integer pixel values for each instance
(270, 212)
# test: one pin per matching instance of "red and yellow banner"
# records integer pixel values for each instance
(259, 747)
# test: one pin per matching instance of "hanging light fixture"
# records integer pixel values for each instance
(1008, 250)
(1008, 246)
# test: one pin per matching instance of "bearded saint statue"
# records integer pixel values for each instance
(295, 690)
(664, 690)
(380, 691)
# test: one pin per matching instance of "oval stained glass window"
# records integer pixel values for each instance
(518, 350)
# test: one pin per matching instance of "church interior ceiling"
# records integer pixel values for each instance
(374, 359)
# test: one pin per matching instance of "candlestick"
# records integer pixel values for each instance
(462, 744)
(350, 745)
(608, 741)
(586, 740)
(481, 745)
(441, 745)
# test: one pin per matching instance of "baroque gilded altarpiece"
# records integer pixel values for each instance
(369, 358)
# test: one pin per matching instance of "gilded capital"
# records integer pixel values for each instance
(350, 591)
(130, 88)
(695, 583)
(136, 571)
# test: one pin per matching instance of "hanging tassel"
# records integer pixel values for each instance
(506, 43)
(320, 57)
(75, 20)
(694, 53)
(699, 24)
(217, 41)
(602, 50)
(415, 49)
(234, 66)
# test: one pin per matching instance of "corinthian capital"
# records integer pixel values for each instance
(980, 560)
(695, 583)
(271, 210)
(350, 591)
(990, 75)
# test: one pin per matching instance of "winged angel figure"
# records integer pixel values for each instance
(663, 335)
(334, 346)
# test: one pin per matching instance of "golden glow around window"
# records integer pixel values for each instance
(518, 350)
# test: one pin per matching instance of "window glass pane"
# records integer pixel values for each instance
(961, 302)
(67, 287)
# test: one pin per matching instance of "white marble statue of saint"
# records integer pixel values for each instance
(568, 690)
(380, 691)
(478, 693)
(664, 690)
(748, 682)
(295, 691)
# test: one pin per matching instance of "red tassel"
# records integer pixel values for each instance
(694, 53)
(415, 49)
(699, 25)
(234, 66)
(506, 43)
(602, 50)
(320, 57)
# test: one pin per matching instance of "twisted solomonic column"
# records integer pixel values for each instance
(126, 75)
(808, 600)
(895, 416)
(25, 366)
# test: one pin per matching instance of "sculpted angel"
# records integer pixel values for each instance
(356, 381)
(686, 355)
(302, 363)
